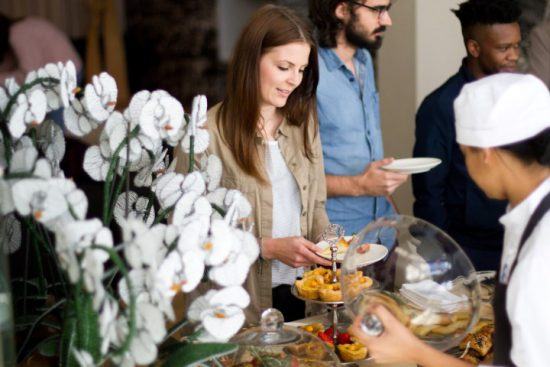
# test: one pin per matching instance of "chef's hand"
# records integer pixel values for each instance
(375, 181)
(292, 251)
(397, 344)
(383, 347)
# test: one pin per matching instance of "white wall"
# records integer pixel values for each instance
(422, 49)
(439, 44)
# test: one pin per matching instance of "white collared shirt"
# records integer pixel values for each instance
(528, 297)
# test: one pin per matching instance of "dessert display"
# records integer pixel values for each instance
(317, 285)
(426, 281)
(276, 344)
(348, 348)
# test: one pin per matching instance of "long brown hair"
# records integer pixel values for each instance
(238, 116)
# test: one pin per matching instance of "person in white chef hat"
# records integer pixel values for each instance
(503, 128)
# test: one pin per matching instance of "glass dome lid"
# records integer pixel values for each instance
(426, 281)
(275, 344)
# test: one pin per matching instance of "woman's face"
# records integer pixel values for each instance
(281, 71)
(482, 165)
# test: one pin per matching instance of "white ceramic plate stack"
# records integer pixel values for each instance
(412, 165)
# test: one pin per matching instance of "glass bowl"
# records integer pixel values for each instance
(426, 280)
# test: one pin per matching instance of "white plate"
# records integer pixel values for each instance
(373, 254)
(412, 165)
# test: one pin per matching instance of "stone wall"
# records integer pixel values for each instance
(171, 45)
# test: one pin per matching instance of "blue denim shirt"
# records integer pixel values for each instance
(349, 121)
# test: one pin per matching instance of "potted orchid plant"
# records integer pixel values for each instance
(99, 300)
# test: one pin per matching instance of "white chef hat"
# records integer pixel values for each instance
(501, 109)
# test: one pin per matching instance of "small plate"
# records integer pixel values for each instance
(373, 254)
(412, 165)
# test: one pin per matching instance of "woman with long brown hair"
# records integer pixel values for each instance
(266, 133)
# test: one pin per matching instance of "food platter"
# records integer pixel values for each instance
(366, 254)
(295, 293)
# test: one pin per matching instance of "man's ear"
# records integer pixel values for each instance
(342, 11)
(473, 48)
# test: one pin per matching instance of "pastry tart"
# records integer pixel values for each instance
(352, 352)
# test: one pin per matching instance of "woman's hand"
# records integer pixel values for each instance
(292, 251)
(397, 344)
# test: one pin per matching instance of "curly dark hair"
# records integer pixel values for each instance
(487, 12)
(321, 14)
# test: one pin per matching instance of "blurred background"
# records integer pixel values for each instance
(182, 46)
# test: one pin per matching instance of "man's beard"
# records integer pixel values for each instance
(359, 40)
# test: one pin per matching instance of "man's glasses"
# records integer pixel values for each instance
(380, 10)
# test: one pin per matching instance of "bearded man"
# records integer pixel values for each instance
(348, 110)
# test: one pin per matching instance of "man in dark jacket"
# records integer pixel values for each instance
(446, 196)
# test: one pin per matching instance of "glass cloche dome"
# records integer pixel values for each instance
(424, 279)
(274, 344)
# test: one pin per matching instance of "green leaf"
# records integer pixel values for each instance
(49, 347)
(68, 340)
(193, 354)
(88, 327)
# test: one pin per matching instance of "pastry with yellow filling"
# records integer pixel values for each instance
(352, 352)
(330, 292)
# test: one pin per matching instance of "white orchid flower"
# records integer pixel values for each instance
(100, 97)
(95, 164)
(107, 324)
(92, 268)
(6, 198)
(83, 358)
(180, 272)
(137, 207)
(38, 198)
(194, 182)
(168, 189)
(68, 84)
(196, 127)
(50, 89)
(221, 243)
(249, 246)
(116, 130)
(211, 171)
(51, 141)
(76, 199)
(4, 99)
(221, 312)
(146, 288)
(77, 120)
(189, 207)
(241, 205)
(11, 86)
(196, 234)
(232, 272)
(74, 238)
(10, 233)
(161, 117)
(142, 242)
(24, 158)
(150, 330)
(29, 110)
(154, 166)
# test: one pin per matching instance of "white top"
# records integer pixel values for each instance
(286, 210)
(528, 297)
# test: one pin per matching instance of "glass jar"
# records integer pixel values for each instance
(274, 344)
